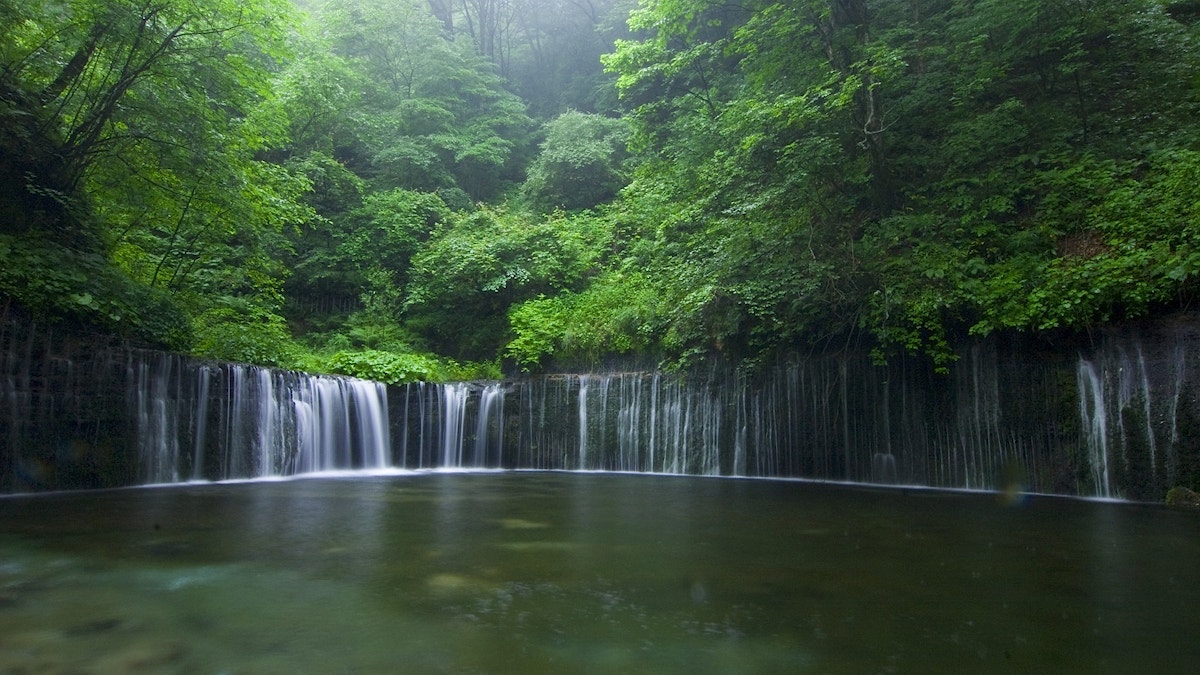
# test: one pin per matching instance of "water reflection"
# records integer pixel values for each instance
(591, 573)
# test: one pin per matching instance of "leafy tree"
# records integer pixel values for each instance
(914, 169)
(383, 235)
(581, 164)
(473, 268)
(318, 94)
(997, 227)
(618, 313)
(322, 282)
(549, 50)
(787, 174)
(131, 128)
(744, 122)
(433, 117)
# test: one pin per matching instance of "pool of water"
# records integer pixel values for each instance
(591, 573)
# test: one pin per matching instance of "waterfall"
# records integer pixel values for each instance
(1094, 422)
(1135, 395)
(83, 413)
(454, 412)
(583, 421)
(1144, 385)
(1117, 416)
(370, 402)
(200, 434)
(339, 423)
(489, 426)
(1107, 423)
(452, 425)
(157, 420)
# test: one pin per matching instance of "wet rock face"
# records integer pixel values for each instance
(64, 420)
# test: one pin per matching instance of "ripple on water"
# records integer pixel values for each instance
(522, 524)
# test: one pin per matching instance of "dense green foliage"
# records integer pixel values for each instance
(581, 164)
(360, 186)
(472, 271)
(129, 144)
(914, 169)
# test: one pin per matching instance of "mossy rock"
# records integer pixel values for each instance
(1183, 498)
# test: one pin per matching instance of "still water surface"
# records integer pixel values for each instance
(591, 573)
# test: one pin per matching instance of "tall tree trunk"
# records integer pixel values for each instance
(443, 10)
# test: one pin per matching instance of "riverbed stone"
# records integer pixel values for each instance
(1181, 497)
(145, 656)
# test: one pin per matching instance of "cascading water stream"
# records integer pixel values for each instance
(489, 426)
(1117, 420)
(454, 412)
(989, 425)
(257, 422)
(1144, 385)
(200, 436)
(583, 421)
(370, 402)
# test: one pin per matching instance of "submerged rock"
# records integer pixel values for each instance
(1182, 497)
(521, 524)
(144, 656)
(93, 627)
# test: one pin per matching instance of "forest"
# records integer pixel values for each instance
(453, 189)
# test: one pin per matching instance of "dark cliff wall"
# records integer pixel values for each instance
(64, 413)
